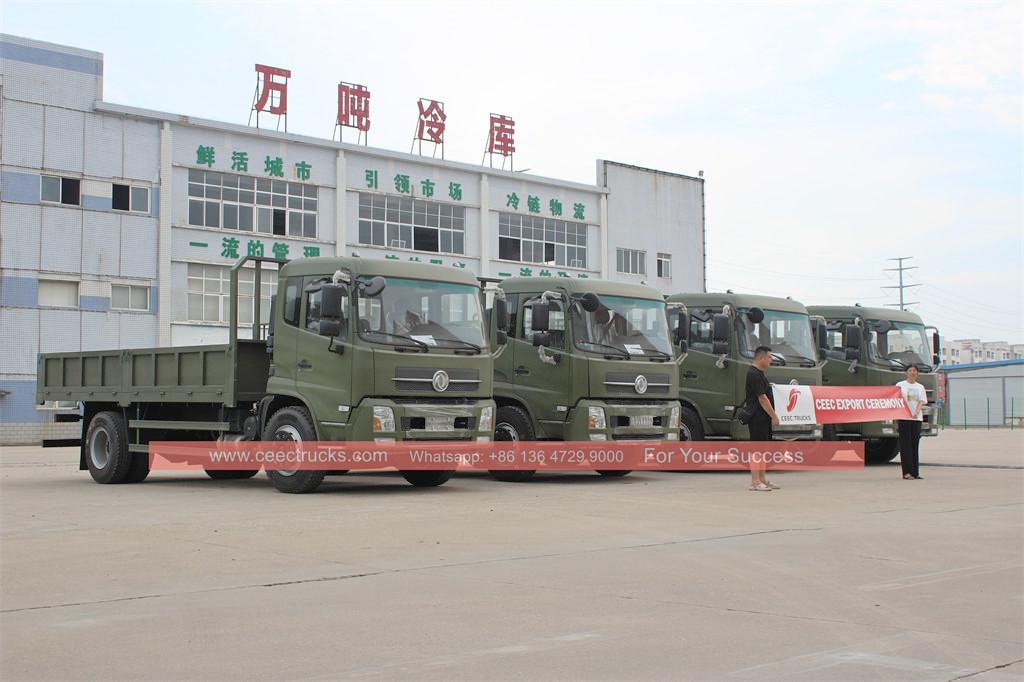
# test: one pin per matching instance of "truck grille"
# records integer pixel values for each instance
(626, 382)
(641, 420)
(422, 379)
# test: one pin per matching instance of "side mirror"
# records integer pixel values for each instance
(720, 329)
(936, 344)
(500, 315)
(590, 302)
(539, 317)
(936, 360)
(501, 337)
(682, 327)
(821, 334)
(373, 287)
(882, 326)
(852, 337)
(541, 339)
(852, 354)
(755, 315)
(683, 346)
(270, 326)
(332, 298)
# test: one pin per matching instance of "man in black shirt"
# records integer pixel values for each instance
(759, 394)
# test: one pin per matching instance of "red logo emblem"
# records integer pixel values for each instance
(794, 395)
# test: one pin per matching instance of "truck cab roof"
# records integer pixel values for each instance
(371, 267)
(600, 287)
(717, 300)
(848, 312)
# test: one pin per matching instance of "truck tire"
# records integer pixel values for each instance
(230, 474)
(881, 451)
(106, 449)
(428, 479)
(690, 427)
(295, 424)
(139, 470)
(513, 424)
(828, 432)
(613, 473)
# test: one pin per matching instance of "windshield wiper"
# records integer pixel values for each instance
(416, 343)
(801, 358)
(467, 344)
(661, 353)
(622, 351)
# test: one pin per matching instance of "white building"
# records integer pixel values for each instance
(119, 223)
(973, 351)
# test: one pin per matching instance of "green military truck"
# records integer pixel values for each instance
(356, 350)
(586, 360)
(874, 347)
(720, 333)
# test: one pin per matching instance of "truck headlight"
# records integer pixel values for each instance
(673, 418)
(486, 419)
(383, 418)
(595, 418)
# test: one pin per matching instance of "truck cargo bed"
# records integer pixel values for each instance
(182, 374)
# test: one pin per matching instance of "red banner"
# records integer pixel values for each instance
(838, 404)
(505, 455)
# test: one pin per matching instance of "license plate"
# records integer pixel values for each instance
(642, 420)
(440, 423)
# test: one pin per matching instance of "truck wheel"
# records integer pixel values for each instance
(613, 473)
(828, 432)
(427, 479)
(513, 425)
(690, 427)
(229, 474)
(294, 424)
(881, 451)
(106, 449)
(139, 470)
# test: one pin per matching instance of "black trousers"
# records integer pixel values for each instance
(910, 443)
(760, 426)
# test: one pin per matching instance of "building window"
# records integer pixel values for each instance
(240, 202)
(209, 293)
(406, 223)
(129, 297)
(533, 239)
(61, 190)
(55, 293)
(664, 265)
(631, 261)
(130, 198)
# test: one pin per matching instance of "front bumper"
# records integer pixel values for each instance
(621, 421)
(738, 431)
(413, 420)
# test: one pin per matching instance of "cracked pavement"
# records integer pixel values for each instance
(839, 575)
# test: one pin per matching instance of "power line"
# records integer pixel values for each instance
(741, 266)
(901, 286)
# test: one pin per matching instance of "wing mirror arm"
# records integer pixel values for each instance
(720, 362)
(853, 367)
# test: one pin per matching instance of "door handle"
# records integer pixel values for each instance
(689, 374)
(521, 370)
(305, 364)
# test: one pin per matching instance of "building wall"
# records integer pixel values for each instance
(55, 123)
(971, 351)
(986, 396)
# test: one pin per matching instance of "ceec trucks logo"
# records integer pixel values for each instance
(799, 404)
(794, 396)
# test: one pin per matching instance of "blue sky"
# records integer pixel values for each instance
(832, 136)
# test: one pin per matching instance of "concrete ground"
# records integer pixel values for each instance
(839, 575)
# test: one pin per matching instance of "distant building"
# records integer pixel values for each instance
(973, 351)
(985, 394)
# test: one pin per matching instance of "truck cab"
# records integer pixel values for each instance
(720, 333)
(874, 347)
(586, 360)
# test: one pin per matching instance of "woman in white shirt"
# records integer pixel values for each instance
(910, 429)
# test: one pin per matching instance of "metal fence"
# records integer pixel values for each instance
(982, 412)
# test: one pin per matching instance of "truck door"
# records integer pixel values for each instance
(323, 376)
(285, 332)
(544, 386)
(700, 380)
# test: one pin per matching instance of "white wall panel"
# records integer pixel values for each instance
(23, 133)
(62, 147)
(142, 140)
(19, 338)
(61, 249)
(137, 331)
(100, 331)
(138, 247)
(19, 245)
(104, 145)
(101, 243)
(60, 331)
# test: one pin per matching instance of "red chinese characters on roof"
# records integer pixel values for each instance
(272, 89)
(354, 106)
(501, 139)
(432, 121)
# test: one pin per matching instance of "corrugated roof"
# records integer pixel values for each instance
(979, 365)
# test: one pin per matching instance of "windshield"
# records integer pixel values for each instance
(423, 313)
(788, 335)
(634, 326)
(903, 345)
